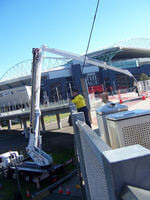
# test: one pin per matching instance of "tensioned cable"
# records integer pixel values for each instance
(90, 35)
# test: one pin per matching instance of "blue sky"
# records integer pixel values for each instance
(66, 25)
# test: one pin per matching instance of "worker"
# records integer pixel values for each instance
(79, 101)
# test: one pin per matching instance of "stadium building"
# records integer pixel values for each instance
(60, 75)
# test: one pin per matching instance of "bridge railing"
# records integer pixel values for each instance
(55, 104)
(26, 108)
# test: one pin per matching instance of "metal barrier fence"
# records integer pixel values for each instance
(88, 153)
(104, 171)
(92, 148)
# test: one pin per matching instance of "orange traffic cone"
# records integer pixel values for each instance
(68, 191)
(120, 99)
(28, 193)
(60, 190)
(143, 96)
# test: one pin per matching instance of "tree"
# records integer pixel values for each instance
(144, 77)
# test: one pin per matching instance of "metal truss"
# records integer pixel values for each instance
(24, 68)
(106, 57)
(142, 43)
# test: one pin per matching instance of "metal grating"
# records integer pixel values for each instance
(136, 134)
(130, 131)
(94, 168)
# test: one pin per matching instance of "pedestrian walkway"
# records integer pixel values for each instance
(130, 99)
(142, 104)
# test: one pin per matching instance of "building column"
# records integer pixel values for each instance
(25, 129)
(76, 76)
(42, 123)
(63, 88)
(9, 125)
(58, 121)
(21, 125)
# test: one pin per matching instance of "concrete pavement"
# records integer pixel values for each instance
(130, 99)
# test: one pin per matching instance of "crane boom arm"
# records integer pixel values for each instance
(34, 147)
(88, 60)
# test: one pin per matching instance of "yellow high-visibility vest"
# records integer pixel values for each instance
(79, 101)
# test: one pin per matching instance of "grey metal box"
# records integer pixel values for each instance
(129, 128)
(101, 114)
